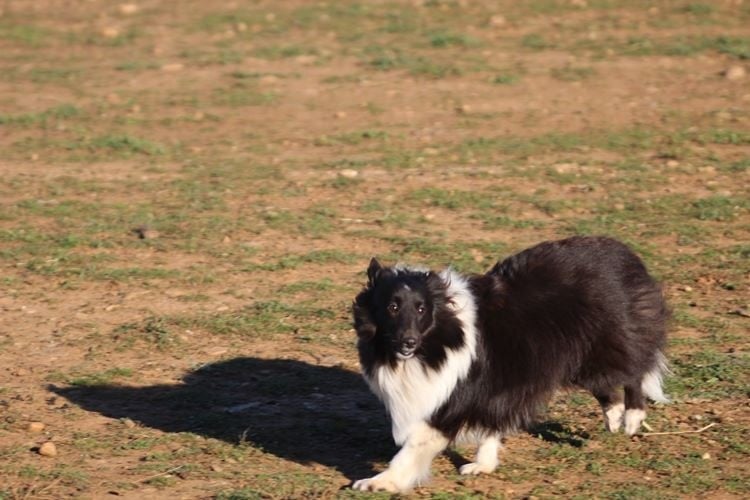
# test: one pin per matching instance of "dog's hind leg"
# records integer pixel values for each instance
(612, 407)
(635, 407)
(411, 465)
(486, 460)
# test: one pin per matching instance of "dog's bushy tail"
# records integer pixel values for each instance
(651, 384)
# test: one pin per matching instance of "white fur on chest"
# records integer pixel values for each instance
(411, 391)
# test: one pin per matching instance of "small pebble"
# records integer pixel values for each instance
(146, 233)
(349, 173)
(48, 449)
(706, 456)
(128, 423)
(498, 21)
(36, 427)
(128, 8)
(172, 67)
(734, 73)
(110, 32)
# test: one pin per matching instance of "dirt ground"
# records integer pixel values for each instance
(191, 192)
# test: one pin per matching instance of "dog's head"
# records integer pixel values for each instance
(396, 310)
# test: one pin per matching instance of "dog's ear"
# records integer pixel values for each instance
(434, 282)
(363, 323)
(373, 271)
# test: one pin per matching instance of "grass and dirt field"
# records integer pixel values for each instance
(191, 192)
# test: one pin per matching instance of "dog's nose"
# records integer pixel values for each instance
(409, 342)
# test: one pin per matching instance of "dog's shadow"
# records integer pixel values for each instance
(555, 432)
(295, 410)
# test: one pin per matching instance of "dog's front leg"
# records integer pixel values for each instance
(486, 461)
(411, 465)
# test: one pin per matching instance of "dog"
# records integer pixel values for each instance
(459, 358)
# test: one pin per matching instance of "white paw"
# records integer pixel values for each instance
(633, 420)
(475, 468)
(376, 483)
(613, 417)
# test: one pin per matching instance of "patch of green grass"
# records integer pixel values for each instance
(438, 251)
(203, 57)
(521, 146)
(451, 199)
(630, 491)
(737, 483)
(161, 481)
(274, 52)
(127, 145)
(721, 136)
(315, 221)
(31, 35)
(281, 485)
(61, 473)
(710, 374)
(243, 95)
(136, 65)
(143, 443)
(294, 261)
(738, 166)
(536, 41)
(216, 21)
(52, 75)
(387, 59)
(153, 330)
(256, 75)
(698, 9)
(262, 320)
(324, 285)
(738, 47)
(101, 378)
(572, 73)
(449, 39)
(403, 21)
(341, 182)
(678, 46)
(718, 208)
(505, 79)
(491, 221)
(125, 37)
(84, 267)
(352, 138)
(61, 112)
(626, 141)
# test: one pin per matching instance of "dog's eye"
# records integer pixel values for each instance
(421, 309)
(393, 308)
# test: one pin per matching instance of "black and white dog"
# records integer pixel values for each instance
(472, 358)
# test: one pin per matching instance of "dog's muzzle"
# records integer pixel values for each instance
(406, 348)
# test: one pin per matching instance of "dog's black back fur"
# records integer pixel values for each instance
(581, 311)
